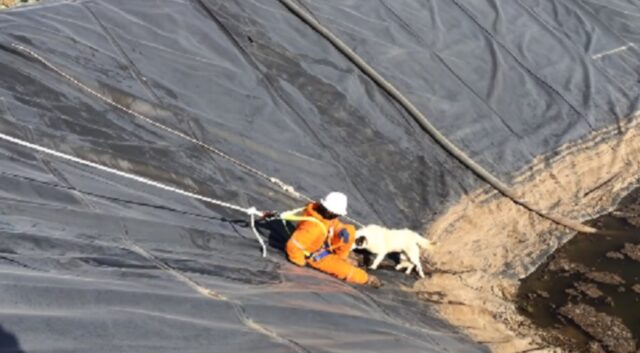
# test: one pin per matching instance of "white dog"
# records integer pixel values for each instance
(381, 241)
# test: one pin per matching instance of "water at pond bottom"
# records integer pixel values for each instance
(586, 296)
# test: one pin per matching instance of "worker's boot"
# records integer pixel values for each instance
(374, 282)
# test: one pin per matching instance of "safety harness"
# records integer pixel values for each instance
(325, 250)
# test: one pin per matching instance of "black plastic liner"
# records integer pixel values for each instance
(505, 81)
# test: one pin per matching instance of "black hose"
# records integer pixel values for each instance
(428, 127)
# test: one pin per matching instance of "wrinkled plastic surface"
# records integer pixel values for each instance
(505, 81)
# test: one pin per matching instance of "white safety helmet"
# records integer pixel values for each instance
(335, 202)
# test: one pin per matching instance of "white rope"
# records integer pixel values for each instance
(287, 188)
(251, 211)
(284, 186)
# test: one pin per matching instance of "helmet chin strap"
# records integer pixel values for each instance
(324, 212)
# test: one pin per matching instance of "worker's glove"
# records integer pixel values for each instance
(344, 235)
(374, 282)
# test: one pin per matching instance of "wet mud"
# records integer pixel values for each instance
(586, 296)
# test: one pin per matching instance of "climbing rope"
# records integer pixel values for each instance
(252, 212)
(427, 126)
(281, 184)
(284, 186)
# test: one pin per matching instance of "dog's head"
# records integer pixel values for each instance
(364, 234)
(361, 242)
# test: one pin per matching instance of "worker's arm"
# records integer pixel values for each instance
(345, 239)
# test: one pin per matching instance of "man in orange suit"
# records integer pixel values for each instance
(324, 243)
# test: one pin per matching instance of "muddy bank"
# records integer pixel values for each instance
(486, 243)
(5, 4)
(587, 294)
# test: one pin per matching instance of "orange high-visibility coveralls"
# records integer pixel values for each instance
(309, 244)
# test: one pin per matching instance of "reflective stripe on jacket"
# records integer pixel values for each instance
(310, 237)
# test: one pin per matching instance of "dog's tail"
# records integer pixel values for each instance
(424, 243)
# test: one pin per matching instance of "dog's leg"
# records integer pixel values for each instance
(377, 261)
(414, 256)
(409, 269)
(400, 264)
(403, 265)
(404, 262)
